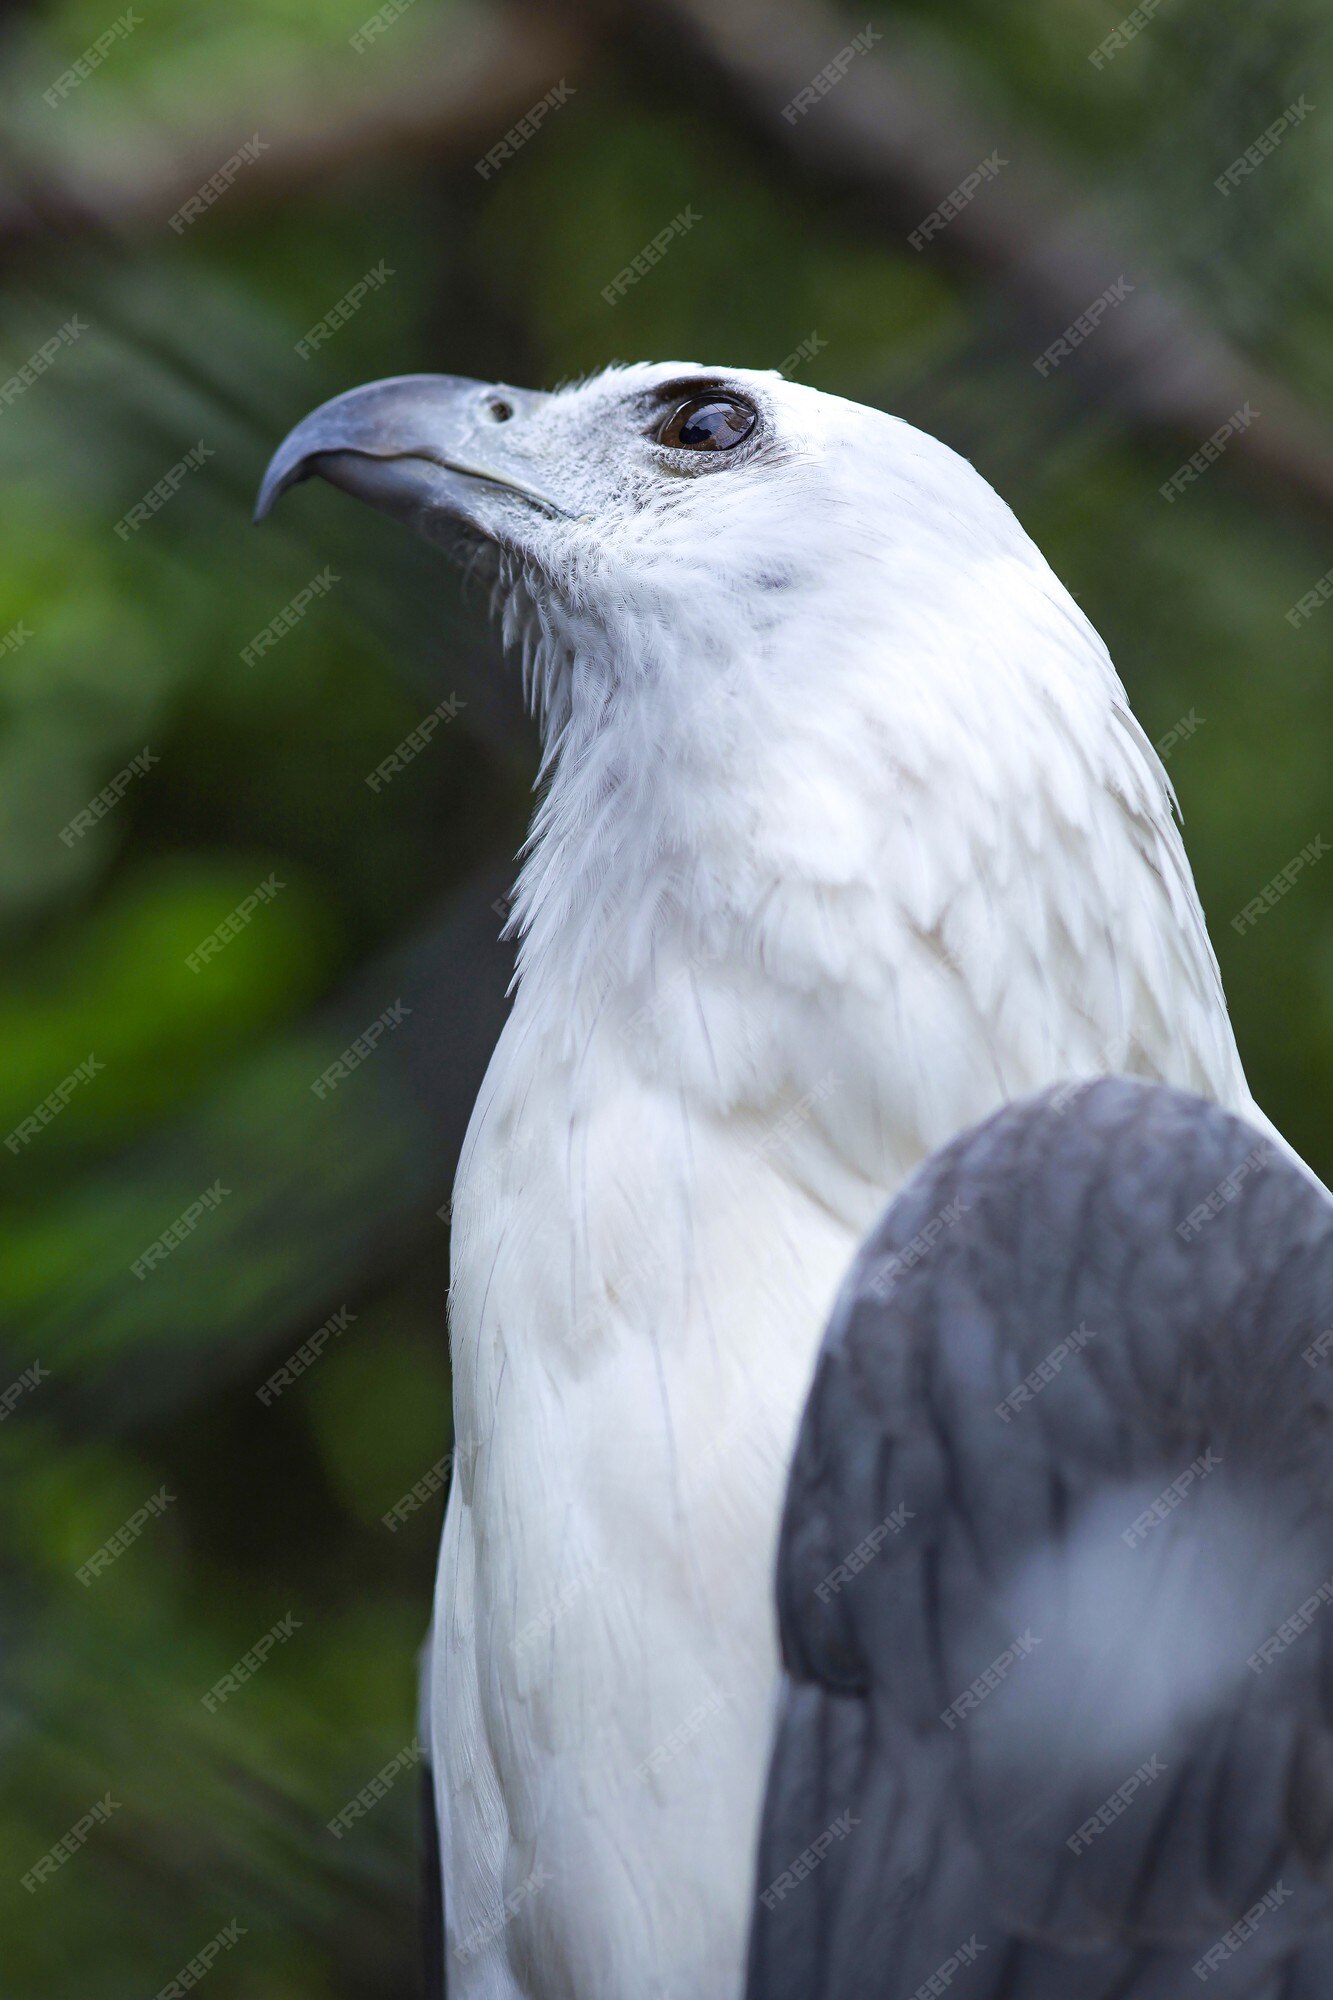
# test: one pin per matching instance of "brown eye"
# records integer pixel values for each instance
(708, 423)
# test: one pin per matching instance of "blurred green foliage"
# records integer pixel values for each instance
(259, 770)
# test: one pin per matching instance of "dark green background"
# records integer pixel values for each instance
(191, 337)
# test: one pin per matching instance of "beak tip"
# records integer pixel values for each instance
(274, 484)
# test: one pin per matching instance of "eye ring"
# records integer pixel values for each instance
(710, 421)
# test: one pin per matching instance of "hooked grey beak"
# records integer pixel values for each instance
(423, 448)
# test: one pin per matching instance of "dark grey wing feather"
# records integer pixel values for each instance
(1064, 1473)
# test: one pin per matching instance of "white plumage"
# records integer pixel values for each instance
(848, 836)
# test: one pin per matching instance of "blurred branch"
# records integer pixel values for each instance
(454, 99)
(891, 139)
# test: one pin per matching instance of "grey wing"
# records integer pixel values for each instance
(1055, 1578)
